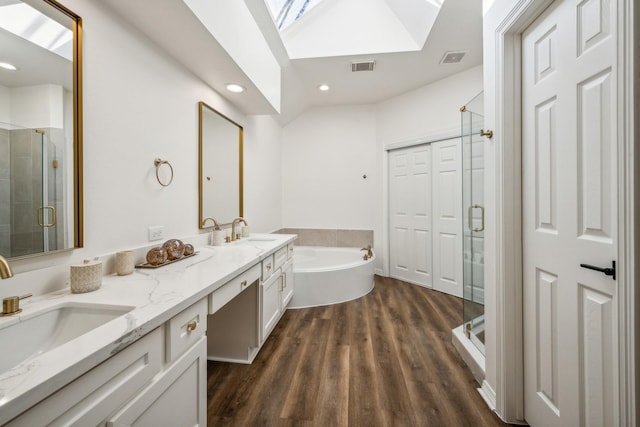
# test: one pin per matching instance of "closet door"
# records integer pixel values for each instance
(447, 216)
(410, 214)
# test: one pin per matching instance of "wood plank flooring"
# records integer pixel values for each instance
(383, 360)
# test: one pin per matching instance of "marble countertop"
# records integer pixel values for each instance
(156, 295)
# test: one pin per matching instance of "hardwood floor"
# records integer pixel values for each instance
(383, 360)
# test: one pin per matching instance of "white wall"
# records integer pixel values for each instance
(427, 110)
(5, 105)
(263, 174)
(38, 106)
(139, 104)
(326, 151)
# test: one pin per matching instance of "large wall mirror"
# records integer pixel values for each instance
(40, 128)
(220, 177)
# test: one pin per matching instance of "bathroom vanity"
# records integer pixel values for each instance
(147, 365)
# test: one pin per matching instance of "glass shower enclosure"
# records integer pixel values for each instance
(472, 122)
(31, 191)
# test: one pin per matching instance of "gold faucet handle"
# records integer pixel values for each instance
(11, 305)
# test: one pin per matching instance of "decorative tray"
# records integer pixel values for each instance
(147, 265)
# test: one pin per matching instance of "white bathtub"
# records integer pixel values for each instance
(326, 275)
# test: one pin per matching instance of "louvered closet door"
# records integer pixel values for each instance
(410, 214)
(570, 214)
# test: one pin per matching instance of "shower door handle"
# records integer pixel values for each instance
(469, 218)
(53, 216)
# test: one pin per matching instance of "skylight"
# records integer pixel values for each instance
(26, 22)
(352, 27)
(286, 12)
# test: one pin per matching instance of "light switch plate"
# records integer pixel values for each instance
(156, 233)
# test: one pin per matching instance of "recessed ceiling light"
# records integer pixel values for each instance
(235, 88)
(8, 66)
(324, 87)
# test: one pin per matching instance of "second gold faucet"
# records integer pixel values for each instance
(235, 236)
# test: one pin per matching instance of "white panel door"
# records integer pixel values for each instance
(410, 214)
(447, 216)
(569, 215)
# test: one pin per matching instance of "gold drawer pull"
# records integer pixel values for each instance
(191, 326)
(269, 266)
(244, 283)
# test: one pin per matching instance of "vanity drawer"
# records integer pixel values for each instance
(267, 267)
(280, 257)
(90, 398)
(185, 328)
(290, 251)
(233, 287)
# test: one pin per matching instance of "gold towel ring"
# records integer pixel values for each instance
(158, 163)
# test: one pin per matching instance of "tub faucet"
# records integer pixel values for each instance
(233, 228)
(369, 253)
(5, 268)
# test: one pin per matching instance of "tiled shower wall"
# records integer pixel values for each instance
(5, 194)
(330, 237)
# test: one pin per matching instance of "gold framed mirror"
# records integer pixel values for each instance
(40, 128)
(220, 177)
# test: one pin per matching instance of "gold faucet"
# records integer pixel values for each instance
(10, 305)
(369, 253)
(233, 227)
(216, 226)
(5, 268)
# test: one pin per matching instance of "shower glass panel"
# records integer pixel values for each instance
(32, 183)
(472, 121)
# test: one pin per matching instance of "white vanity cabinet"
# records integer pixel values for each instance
(178, 395)
(288, 284)
(276, 290)
(167, 363)
(271, 307)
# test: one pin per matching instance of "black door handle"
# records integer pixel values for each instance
(607, 271)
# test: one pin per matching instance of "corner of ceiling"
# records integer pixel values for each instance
(233, 26)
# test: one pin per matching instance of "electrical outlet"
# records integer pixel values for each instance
(156, 233)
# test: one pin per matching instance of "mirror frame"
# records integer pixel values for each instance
(201, 106)
(78, 199)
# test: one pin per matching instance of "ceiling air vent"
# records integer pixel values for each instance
(452, 57)
(362, 66)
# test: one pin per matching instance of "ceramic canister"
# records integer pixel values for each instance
(86, 277)
(124, 263)
(217, 237)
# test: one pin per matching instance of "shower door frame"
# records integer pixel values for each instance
(473, 225)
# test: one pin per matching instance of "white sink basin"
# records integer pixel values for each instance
(254, 240)
(45, 330)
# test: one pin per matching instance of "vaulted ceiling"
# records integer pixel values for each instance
(239, 42)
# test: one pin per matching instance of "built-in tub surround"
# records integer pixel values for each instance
(325, 276)
(330, 237)
(155, 295)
